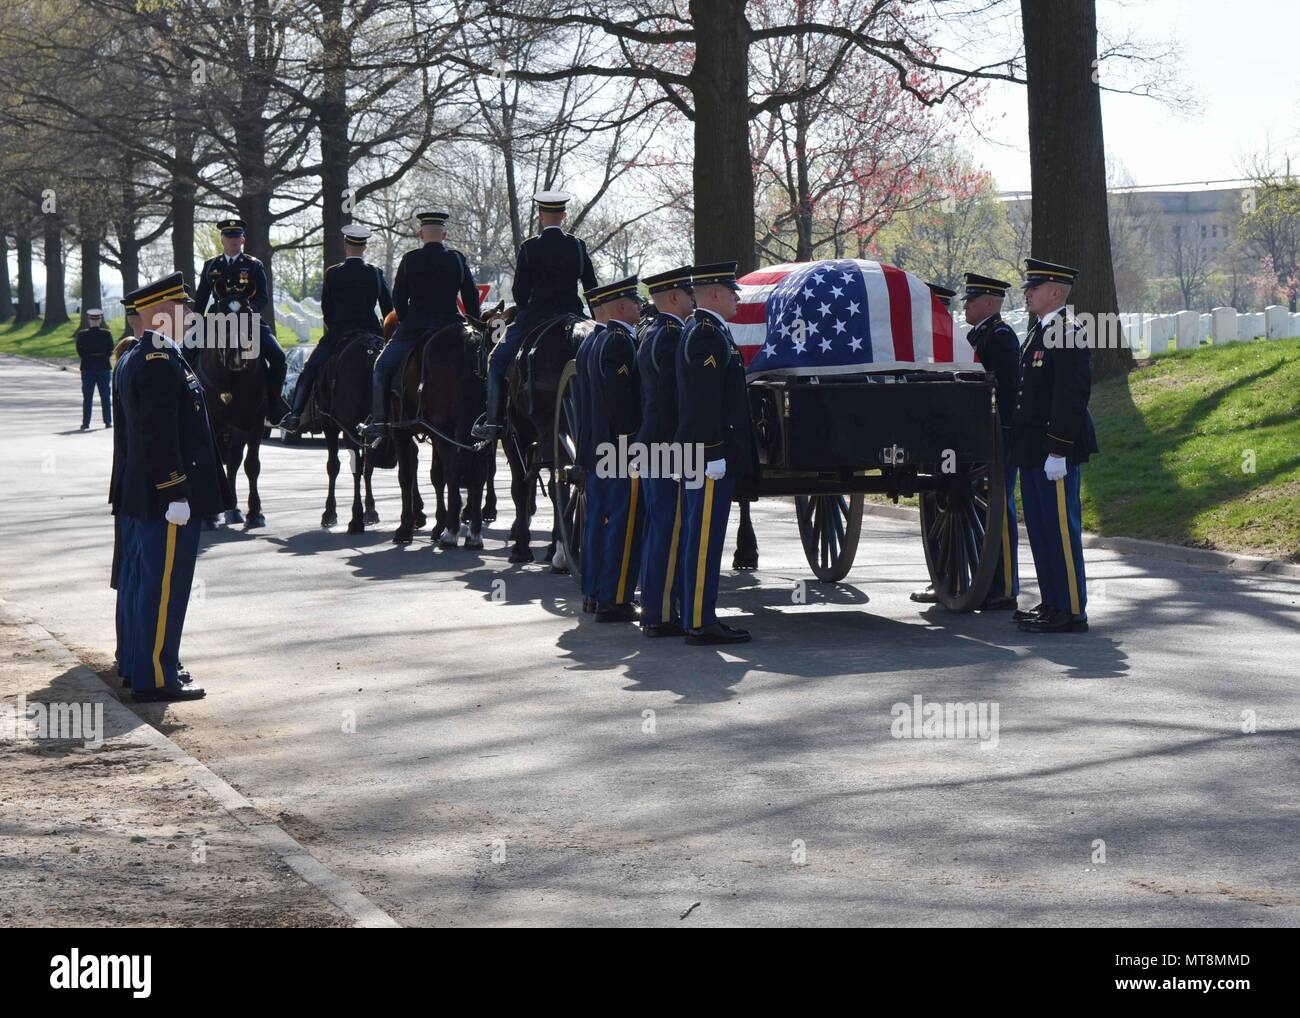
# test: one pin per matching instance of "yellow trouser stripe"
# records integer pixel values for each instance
(1006, 551)
(701, 560)
(665, 614)
(620, 595)
(1065, 544)
(160, 633)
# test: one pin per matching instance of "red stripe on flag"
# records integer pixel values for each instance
(761, 277)
(942, 319)
(750, 314)
(748, 352)
(900, 312)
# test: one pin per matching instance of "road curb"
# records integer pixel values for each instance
(340, 892)
(1200, 558)
(56, 363)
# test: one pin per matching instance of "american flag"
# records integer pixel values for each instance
(856, 316)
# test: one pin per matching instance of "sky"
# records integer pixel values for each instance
(1240, 58)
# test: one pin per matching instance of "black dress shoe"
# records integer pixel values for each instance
(168, 694)
(615, 613)
(662, 629)
(291, 423)
(926, 596)
(1055, 622)
(715, 634)
(998, 604)
(1030, 615)
(85, 427)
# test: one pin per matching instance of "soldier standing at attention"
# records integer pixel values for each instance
(547, 273)
(347, 301)
(614, 412)
(585, 456)
(661, 577)
(425, 288)
(122, 572)
(170, 481)
(95, 348)
(712, 413)
(1052, 435)
(236, 282)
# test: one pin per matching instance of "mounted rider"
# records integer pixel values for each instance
(547, 273)
(234, 281)
(425, 288)
(347, 299)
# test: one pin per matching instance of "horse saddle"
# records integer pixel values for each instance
(529, 383)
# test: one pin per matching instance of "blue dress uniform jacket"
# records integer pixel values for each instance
(95, 347)
(656, 361)
(1051, 415)
(242, 278)
(615, 413)
(592, 523)
(426, 285)
(548, 269)
(123, 570)
(171, 453)
(998, 350)
(349, 294)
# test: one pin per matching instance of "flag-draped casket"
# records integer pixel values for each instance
(844, 316)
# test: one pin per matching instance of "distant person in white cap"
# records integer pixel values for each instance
(348, 298)
(95, 348)
(547, 273)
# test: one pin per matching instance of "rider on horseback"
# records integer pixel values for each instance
(424, 296)
(347, 299)
(236, 282)
(547, 274)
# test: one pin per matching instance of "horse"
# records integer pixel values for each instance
(235, 389)
(340, 400)
(532, 388)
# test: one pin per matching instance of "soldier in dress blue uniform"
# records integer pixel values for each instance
(614, 412)
(170, 481)
(661, 575)
(593, 518)
(998, 350)
(122, 572)
(1052, 435)
(347, 301)
(95, 348)
(712, 413)
(547, 273)
(236, 282)
(425, 288)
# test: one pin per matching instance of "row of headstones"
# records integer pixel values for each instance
(1148, 334)
(301, 316)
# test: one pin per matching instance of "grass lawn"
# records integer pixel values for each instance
(31, 340)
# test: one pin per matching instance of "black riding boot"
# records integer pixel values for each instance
(490, 426)
(294, 421)
(378, 396)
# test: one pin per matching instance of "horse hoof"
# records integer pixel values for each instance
(489, 514)
(420, 521)
(255, 521)
(402, 537)
(356, 527)
(328, 519)
(370, 517)
(447, 539)
(746, 561)
(558, 562)
(474, 540)
(521, 555)
(234, 516)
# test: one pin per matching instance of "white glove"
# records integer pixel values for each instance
(715, 470)
(178, 513)
(1054, 467)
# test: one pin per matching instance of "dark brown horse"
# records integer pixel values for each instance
(234, 385)
(532, 387)
(339, 402)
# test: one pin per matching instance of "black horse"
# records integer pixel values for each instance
(339, 402)
(234, 384)
(532, 388)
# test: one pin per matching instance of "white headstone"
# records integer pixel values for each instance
(1223, 325)
(1277, 322)
(1162, 331)
(1187, 330)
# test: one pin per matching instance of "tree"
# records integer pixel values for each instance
(1270, 222)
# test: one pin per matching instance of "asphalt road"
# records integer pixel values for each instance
(513, 764)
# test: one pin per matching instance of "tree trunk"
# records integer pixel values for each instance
(182, 208)
(1067, 158)
(92, 295)
(56, 307)
(724, 173)
(335, 147)
(26, 311)
(6, 291)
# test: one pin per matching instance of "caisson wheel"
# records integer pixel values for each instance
(961, 529)
(829, 526)
(570, 492)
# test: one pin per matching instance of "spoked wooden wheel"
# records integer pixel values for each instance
(570, 492)
(961, 529)
(829, 527)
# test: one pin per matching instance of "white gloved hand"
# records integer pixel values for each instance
(715, 470)
(178, 513)
(1054, 467)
